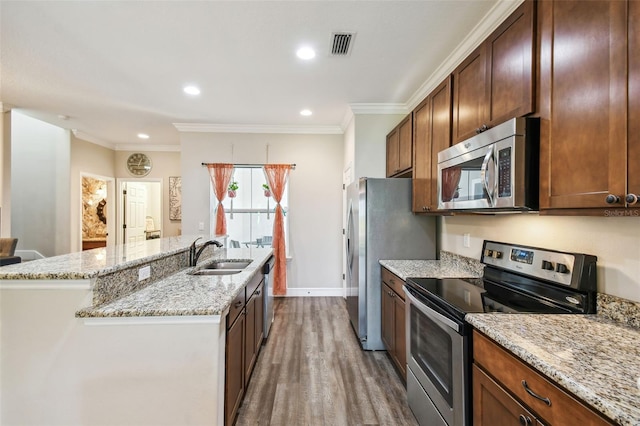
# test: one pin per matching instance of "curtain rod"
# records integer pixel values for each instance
(249, 166)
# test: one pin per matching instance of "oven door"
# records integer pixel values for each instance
(437, 359)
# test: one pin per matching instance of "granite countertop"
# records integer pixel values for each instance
(185, 294)
(450, 265)
(595, 358)
(101, 261)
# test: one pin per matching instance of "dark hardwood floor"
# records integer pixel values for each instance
(313, 372)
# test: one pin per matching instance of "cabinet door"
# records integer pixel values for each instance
(234, 369)
(431, 134)
(400, 335)
(633, 160)
(582, 102)
(393, 141)
(405, 144)
(387, 318)
(250, 339)
(511, 66)
(421, 192)
(470, 95)
(493, 406)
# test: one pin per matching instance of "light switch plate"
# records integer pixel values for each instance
(144, 273)
(466, 240)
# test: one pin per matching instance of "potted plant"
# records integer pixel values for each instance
(231, 190)
(267, 190)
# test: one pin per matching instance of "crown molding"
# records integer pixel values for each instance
(348, 116)
(256, 128)
(147, 147)
(498, 13)
(379, 108)
(92, 139)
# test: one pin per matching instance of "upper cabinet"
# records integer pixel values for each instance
(400, 149)
(589, 147)
(431, 134)
(496, 82)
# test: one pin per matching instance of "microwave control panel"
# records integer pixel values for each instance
(504, 173)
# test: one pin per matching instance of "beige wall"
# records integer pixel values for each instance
(91, 160)
(315, 196)
(615, 241)
(5, 173)
(164, 164)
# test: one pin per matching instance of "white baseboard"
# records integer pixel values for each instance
(315, 292)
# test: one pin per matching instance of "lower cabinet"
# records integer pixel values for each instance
(234, 385)
(507, 391)
(394, 336)
(245, 332)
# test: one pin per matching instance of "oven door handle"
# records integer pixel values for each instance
(435, 316)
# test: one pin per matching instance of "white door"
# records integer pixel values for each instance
(136, 211)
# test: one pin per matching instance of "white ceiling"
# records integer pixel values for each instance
(117, 68)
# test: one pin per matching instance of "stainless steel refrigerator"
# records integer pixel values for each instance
(380, 225)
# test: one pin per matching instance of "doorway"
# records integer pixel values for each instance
(98, 204)
(139, 210)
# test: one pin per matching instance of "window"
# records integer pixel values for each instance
(250, 214)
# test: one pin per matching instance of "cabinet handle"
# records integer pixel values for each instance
(237, 304)
(535, 395)
(524, 420)
(612, 199)
(631, 198)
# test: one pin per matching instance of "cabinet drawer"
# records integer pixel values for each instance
(253, 284)
(558, 408)
(236, 307)
(393, 281)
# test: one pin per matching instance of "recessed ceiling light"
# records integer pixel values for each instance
(306, 112)
(306, 53)
(191, 90)
(143, 136)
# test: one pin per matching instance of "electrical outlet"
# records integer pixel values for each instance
(144, 273)
(466, 240)
(201, 226)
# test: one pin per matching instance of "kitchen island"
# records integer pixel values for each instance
(87, 338)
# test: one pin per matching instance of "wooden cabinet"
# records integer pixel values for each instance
(393, 320)
(254, 330)
(234, 387)
(245, 332)
(400, 149)
(587, 153)
(431, 134)
(496, 82)
(507, 379)
(494, 406)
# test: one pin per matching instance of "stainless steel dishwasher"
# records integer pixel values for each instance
(268, 296)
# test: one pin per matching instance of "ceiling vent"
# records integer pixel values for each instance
(341, 43)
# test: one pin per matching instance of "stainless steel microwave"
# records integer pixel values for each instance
(497, 169)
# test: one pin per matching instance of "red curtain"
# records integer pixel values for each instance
(277, 175)
(220, 174)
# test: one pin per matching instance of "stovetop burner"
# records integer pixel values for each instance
(517, 279)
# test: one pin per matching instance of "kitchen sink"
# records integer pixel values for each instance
(224, 267)
(217, 272)
(232, 264)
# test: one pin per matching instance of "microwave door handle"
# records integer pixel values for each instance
(485, 175)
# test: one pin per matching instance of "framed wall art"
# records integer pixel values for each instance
(175, 198)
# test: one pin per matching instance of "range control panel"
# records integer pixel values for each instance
(574, 270)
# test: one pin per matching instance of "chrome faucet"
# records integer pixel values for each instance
(194, 256)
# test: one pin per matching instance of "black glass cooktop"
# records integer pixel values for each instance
(458, 297)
